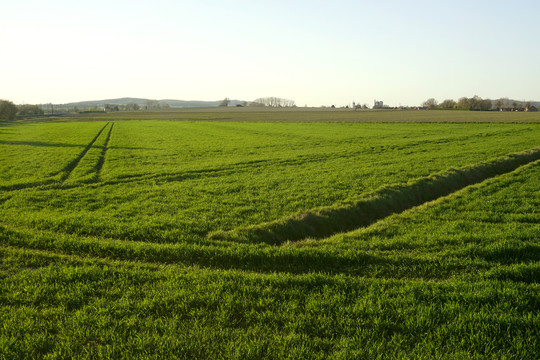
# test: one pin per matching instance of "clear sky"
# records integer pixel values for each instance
(314, 52)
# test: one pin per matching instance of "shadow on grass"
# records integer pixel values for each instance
(39, 143)
(57, 144)
(508, 254)
(73, 163)
(225, 170)
(4, 123)
(29, 185)
(266, 259)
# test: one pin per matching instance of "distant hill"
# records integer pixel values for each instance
(141, 102)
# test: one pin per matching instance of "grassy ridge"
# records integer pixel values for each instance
(390, 199)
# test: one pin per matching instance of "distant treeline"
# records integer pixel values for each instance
(114, 105)
(10, 111)
(476, 103)
(273, 101)
(132, 106)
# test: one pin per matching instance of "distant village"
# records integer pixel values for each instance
(475, 103)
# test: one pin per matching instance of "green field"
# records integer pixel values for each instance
(254, 234)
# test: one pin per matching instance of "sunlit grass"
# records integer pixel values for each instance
(105, 249)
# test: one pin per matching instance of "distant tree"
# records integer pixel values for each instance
(377, 104)
(152, 105)
(288, 103)
(29, 110)
(475, 102)
(484, 105)
(515, 105)
(447, 104)
(225, 102)
(273, 101)
(463, 103)
(502, 103)
(111, 107)
(8, 110)
(132, 107)
(430, 103)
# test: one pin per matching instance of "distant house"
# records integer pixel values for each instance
(531, 108)
(513, 109)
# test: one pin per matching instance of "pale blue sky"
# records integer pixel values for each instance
(314, 52)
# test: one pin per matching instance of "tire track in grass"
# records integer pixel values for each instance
(326, 221)
(67, 170)
(73, 164)
(101, 160)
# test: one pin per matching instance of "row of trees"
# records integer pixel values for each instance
(155, 105)
(270, 101)
(148, 105)
(9, 111)
(474, 103)
(273, 101)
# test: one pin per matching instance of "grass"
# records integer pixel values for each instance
(172, 182)
(250, 115)
(117, 257)
(385, 201)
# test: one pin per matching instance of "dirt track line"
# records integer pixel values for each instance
(73, 164)
(101, 160)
